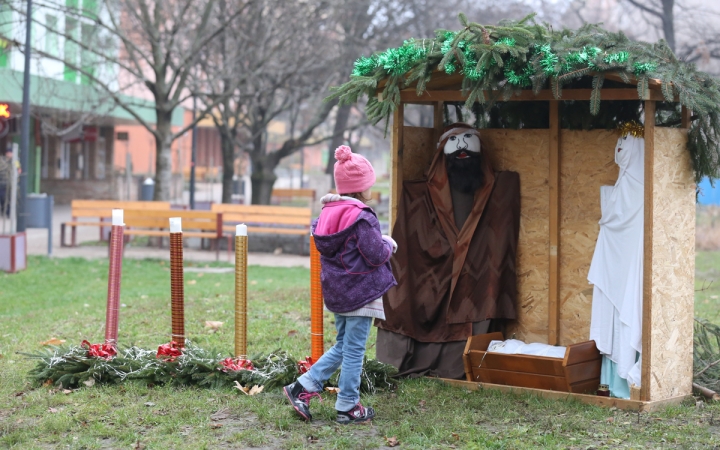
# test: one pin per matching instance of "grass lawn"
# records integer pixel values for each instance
(66, 298)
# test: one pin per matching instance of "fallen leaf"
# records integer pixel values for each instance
(332, 390)
(610, 420)
(456, 436)
(53, 341)
(392, 441)
(149, 404)
(269, 280)
(256, 390)
(241, 388)
(292, 333)
(422, 403)
(67, 391)
(215, 426)
(217, 284)
(221, 415)
(253, 282)
(192, 281)
(52, 410)
(312, 439)
(138, 446)
(90, 382)
(213, 324)
(200, 274)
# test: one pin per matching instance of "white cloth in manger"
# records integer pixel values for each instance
(517, 347)
(616, 270)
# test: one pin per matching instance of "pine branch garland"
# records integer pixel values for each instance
(501, 59)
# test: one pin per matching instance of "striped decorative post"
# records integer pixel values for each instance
(241, 254)
(316, 304)
(177, 283)
(114, 273)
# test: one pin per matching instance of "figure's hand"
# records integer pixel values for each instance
(390, 241)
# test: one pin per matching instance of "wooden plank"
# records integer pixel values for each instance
(115, 204)
(580, 353)
(438, 120)
(584, 371)
(262, 209)
(510, 378)
(628, 405)
(258, 218)
(554, 225)
(531, 364)
(309, 193)
(270, 230)
(99, 213)
(648, 249)
(588, 387)
(685, 115)
(163, 233)
(396, 158)
(482, 341)
(410, 95)
(184, 214)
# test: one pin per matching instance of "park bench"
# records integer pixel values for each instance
(195, 224)
(284, 195)
(97, 213)
(267, 219)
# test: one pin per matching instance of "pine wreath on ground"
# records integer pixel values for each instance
(72, 367)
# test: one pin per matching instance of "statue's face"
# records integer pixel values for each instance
(466, 142)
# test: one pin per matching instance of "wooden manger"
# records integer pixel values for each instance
(561, 172)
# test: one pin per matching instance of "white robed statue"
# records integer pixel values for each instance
(616, 271)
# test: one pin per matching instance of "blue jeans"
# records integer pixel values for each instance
(347, 353)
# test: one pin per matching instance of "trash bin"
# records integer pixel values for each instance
(39, 209)
(237, 185)
(147, 190)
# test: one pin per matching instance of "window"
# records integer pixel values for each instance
(51, 37)
(89, 9)
(71, 49)
(87, 58)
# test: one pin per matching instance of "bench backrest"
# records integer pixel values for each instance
(267, 214)
(191, 220)
(103, 208)
(305, 193)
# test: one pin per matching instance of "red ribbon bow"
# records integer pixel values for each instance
(236, 364)
(104, 351)
(304, 366)
(169, 351)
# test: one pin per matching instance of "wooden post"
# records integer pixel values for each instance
(648, 249)
(685, 117)
(396, 152)
(554, 228)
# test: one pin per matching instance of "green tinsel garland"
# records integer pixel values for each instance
(70, 367)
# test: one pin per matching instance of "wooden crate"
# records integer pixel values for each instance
(577, 372)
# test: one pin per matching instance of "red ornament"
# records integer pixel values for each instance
(169, 351)
(236, 364)
(304, 366)
(104, 351)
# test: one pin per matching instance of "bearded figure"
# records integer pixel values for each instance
(457, 232)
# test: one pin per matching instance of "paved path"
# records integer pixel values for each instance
(37, 245)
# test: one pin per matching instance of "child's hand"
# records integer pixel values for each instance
(390, 241)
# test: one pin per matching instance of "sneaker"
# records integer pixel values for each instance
(300, 399)
(358, 414)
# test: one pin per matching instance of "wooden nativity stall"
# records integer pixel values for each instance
(561, 172)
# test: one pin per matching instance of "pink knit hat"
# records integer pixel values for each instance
(353, 173)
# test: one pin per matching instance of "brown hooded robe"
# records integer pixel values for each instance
(451, 281)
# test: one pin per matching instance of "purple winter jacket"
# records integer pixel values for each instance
(355, 258)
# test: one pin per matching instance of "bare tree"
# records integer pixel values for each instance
(155, 45)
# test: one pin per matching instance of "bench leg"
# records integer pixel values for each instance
(62, 235)
(229, 244)
(216, 242)
(73, 233)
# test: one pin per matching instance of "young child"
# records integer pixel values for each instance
(355, 275)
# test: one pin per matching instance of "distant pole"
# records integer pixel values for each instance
(193, 157)
(25, 127)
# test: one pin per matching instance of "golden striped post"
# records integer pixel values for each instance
(113, 297)
(177, 283)
(316, 304)
(241, 254)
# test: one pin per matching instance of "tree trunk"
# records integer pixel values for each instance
(341, 119)
(228, 155)
(263, 178)
(668, 23)
(163, 156)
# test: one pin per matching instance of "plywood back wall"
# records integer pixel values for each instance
(587, 163)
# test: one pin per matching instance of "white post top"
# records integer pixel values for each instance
(241, 230)
(176, 225)
(117, 217)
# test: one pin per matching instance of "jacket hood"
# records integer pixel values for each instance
(336, 221)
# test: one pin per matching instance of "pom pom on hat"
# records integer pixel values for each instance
(353, 173)
(343, 153)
